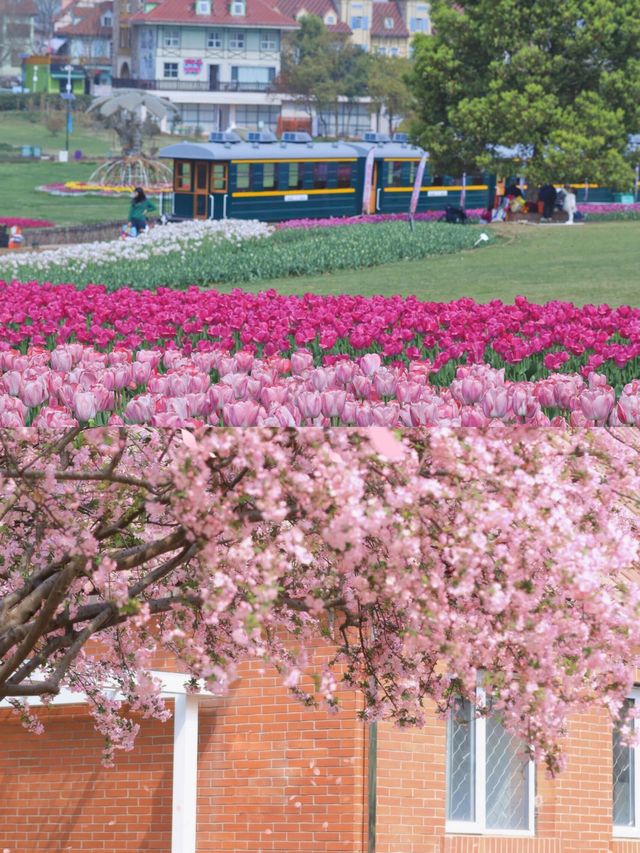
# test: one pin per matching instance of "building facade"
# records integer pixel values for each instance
(17, 35)
(84, 34)
(256, 771)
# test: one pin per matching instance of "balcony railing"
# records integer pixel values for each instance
(190, 85)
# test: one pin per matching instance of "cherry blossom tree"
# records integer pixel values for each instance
(429, 559)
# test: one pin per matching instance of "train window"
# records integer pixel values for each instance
(296, 176)
(201, 176)
(219, 177)
(413, 170)
(269, 176)
(320, 175)
(394, 177)
(344, 174)
(182, 180)
(243, 176)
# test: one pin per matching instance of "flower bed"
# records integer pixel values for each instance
(529, 341)
(74, 384)
(233, 251)
(372, 219)
(21, 222)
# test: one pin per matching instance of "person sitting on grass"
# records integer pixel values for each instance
(138, 210)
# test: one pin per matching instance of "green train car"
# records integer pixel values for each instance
(291, 178)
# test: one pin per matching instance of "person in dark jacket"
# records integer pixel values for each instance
(547, 195)
(140, 206)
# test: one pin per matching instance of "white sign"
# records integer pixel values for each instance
(438, 193)
(296, 198)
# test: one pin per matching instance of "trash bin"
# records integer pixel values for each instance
(37, 152)
(4, 236)
(26, 151)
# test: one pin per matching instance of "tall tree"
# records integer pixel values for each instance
(561, 80)
(428, 561)
(388, 87)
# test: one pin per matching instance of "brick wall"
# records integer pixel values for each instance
(276, 776)
(57, 797)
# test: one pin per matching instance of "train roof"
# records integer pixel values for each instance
(229, 146)
(389, 150)
(259, 151)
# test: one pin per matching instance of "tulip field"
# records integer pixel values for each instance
(169, 358)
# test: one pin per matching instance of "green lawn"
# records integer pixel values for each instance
(27, 128)
(18, 182)
(592, 263)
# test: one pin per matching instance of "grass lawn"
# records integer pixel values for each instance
(18, 182)
(592, 263)
(27, 128)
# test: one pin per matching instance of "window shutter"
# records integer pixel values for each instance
(412, 25)
(365, 22)
(234, 73)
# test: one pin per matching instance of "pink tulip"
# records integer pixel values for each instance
(243, 414)
(301, 360)
(332, 403)
(85, 405)
(385, 383)
(370, 363)
(61, 359)
(310, 404)
(495, 403)
(140, 410)
(597, 404)
(34, 392)
(471, 390)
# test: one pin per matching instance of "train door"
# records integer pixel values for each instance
(201, 190)
(375, 190)
(219, 189)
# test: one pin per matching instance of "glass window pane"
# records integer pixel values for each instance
(344, 175)
(242, 176)
(296, 176)
(320, 175)
(507, 779)
(219, 177)
(624, 813)
(269, 176)
(461, 763)
(182, 176)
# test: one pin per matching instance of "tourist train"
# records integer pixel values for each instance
(273, 179)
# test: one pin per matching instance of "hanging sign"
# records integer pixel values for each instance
(368, 180)
(192, 66)
(415, 195)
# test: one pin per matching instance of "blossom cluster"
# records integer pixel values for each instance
(181, 237)
(428, 559)
(74, 384)
(371, 218)
(530, 339)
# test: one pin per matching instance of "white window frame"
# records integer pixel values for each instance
(203, 7)
(238, 8)
(478, 826)
(268, 40)
(631, 831)
(389, 23)
(214, 39)
(237, 41)
(166, 76)
(171, 38)
(330, 19)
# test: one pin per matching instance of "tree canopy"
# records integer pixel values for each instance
(562, 80)
(427, 559)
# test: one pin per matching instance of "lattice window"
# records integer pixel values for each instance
(626, 771)
(489, 778)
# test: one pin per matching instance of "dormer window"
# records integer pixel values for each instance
(238, 8)
(203, 7)
(388, 23)
(330, 19)
(107, 20)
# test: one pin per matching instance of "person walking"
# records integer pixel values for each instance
(569, 205)
(547, 195)
(138, 210)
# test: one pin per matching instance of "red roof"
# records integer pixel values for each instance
(18, 8)
(319, 8)
(89, 23)
(259, 14)
(391, 12)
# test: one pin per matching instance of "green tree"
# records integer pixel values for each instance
(320, 69)
(388, 87)
(562, 80)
